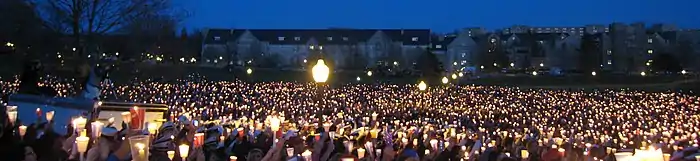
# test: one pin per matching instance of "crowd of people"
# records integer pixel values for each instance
(306, 121)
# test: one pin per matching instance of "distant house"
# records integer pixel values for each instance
(343, 47)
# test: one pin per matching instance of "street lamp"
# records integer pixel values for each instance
(369, 73)
(593, 73)
(358, 78)
(643, 73)
(320, 71)
(454, 76)
(512, 64)
(534, 73)
(422, 86)
(683, 72)
(445, 80)
(320, 74)
(541, 64)
(9, 44)
(249, 71)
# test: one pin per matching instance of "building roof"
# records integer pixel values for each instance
(323, 36)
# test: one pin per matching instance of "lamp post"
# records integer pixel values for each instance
(320, 74)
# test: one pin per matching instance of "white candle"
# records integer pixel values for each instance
(79, 123)
(184, 151)
(96, 129)
(82, 143)
(22, 130)
(361, 153)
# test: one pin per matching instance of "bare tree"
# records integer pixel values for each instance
(89, 18)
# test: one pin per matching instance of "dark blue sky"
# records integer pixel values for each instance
(439, 15)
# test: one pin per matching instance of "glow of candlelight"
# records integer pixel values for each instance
(184, 151)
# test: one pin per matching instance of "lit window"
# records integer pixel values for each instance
(280, 38)
(650, 51)
(609, 62)
(464, 62)
(493, 40)
(438, 46)
(345, 38)
(649, 40)
(297, 38)
(414, 39)
(329, 38)
(609, 52)
(216, 38)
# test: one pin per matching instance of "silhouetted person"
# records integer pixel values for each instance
(30, 78)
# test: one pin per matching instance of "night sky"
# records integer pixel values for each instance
(439, 15)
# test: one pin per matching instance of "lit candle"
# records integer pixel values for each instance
(49, 116)
(306, 155)
(524, 153)
(374, 133)
(361, 153)
(22, 130)
(290, 152)
(152, 128)
(184, 151)
(79, 123)
(12, 113)
(140, 147)
(126, 117)
(82, 143)
(96, 128)
(171, 154)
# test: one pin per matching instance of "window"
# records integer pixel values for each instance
(280, 38)
(297, 38)
(329, 38)
(609, 62)
(609, 52)
(649, 40)
(493, 40)
(438, 46)
(217, 38)
(464, 55)
(414, 39)
(345, 38)
(650, 51)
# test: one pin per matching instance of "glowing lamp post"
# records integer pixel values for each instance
(320, 71)
(320, 74)
(369, 73)
(445, 80)
(454, 76)
(422, 86)
(249, 71)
